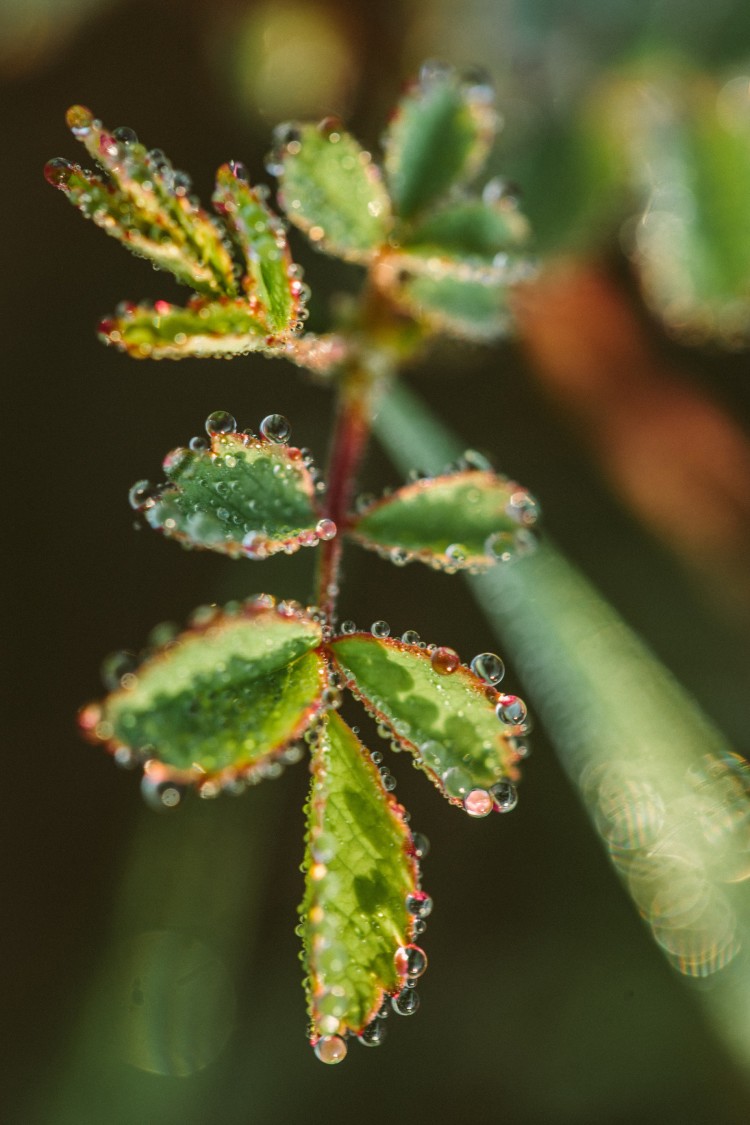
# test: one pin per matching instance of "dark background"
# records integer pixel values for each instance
(546, 1001)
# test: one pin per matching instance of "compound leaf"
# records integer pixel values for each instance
(439, 137)
(222, 698)
(359, 868)
(436, 708)
(462, 520)
(225, 327)
(331, 190)
(269, 275)
(245, 497)
(146, 205)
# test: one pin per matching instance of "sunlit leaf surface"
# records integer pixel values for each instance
(359, 869)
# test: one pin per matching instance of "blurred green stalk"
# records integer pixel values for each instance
(666, 796)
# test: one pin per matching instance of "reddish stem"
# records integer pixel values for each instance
(348, 444)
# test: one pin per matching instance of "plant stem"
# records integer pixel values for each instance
(358, 391)
(665, 794)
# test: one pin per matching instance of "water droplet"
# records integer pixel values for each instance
(419, 904)
(176, 461)
(445, 661)
(276, 428)
(478, 802)
(388, 780)
(325, 529)
(511, 710)
(501, 546)
(115, 667)
(457, 553)
(373, 1035)
(108, 146)
(473, 459)
(58, 171)
(406, 1003)
(523, 508)
(421, 844)
(457, 782)
(411, 961)
(348, 627)
(80, 120)
(488, 667)
(221, 422)
(161, 794)
(198, 444)
(380, 629)
(125, 135)
(330, 1049)
(376, 756)
(505, 796)
(142, 494)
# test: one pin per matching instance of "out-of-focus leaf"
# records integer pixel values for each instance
(201, 329)
(446, 719)
(331, 190)
(471, 233)
(440, 136)
(686, 149)
(150, 199)
(359, 868)
(245, 497)
(270, 276)
(222, 698)
(463, 520)
(471, 307)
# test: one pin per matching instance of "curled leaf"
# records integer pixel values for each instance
(458, 521)
(330, 189)
(147, 206)
(222, 698)
(360, 866)
(245, 497)
(440, 137)
(459, 728)
(269, 275)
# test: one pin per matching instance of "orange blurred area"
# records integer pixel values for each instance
(669, 450)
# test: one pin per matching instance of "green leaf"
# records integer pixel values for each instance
(146, 206)
(472, 233)
(201, 329)
(245, 497)
(440, 137)
(447, 720)
(359, 868)
(332, 191)
(270, 277)
(690, 156)
(462, 520)
(222, 698)
(469, 308)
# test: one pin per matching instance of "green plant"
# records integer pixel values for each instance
(228, 702)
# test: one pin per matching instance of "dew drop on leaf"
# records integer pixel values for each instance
(325, 529)
(445, 661)
(406, 1003)
(276, 428)
(374, 1034)
(348, 627)
(410, 637)
(419, 904)
(511, 710)
(380, 629)
(421, 845)
(221, 422)
(411, 961)
(505, 796)
(478, 803)
(489, 667)
(331, 1049)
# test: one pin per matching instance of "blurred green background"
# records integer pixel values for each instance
(151, 966)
